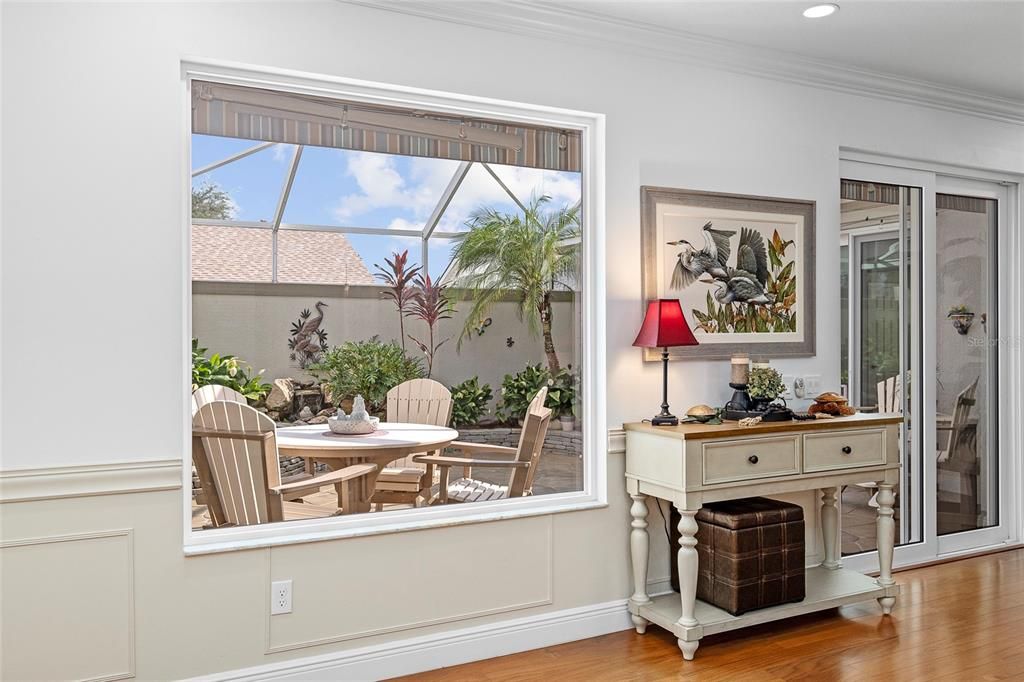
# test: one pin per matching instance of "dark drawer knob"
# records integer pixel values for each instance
(847, 449)
(752, 459)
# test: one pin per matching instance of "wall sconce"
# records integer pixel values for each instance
(961, 317)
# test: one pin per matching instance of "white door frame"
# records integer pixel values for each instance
(922, 392)
(855, 242)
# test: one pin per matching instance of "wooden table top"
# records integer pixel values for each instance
(388, 436)
(695, 431)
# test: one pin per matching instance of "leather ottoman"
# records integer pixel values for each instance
(750, 554)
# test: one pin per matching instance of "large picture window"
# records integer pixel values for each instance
(388, 313)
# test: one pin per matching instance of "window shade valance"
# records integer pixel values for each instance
(955, 202)
(869, 191)
(270, 116)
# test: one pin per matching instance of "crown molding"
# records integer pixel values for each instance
(584, 27)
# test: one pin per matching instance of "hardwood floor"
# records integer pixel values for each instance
(960, 621)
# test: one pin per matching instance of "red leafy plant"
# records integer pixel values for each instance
(398, 277)
(429, 303)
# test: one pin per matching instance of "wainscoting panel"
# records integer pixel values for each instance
(438, 576)
(68, 607)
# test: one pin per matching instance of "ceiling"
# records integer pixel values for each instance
(972, 45)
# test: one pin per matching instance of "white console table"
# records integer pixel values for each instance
(691, 464)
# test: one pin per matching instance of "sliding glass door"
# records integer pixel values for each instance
(920, 306)
(969, 473)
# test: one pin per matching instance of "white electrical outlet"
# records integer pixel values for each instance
(280, 597)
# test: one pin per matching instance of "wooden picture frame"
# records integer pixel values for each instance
(769, 313)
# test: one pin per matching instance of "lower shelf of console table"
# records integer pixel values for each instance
(825, 589)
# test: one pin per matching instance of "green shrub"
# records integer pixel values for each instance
(517, 390)
(469, 402)
(368, 368)
(225, 370)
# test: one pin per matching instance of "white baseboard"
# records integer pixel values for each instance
(429, 652)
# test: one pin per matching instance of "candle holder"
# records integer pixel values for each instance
(739, 375)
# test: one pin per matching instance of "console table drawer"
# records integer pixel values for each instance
(845, 450)
(742, 460)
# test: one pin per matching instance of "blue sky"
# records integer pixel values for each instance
(364, 189)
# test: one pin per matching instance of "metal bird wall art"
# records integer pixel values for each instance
(308, 341)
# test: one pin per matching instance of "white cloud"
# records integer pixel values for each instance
(381, 185)
(281, 152)
(480, 189)
(416, 193)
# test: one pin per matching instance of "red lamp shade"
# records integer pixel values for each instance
(664, 325)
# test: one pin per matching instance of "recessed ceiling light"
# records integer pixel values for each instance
(819, 11)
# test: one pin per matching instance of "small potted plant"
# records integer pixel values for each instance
(962, 318)
(562, 399)
(765, 386)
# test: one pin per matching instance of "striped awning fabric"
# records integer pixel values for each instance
(955, 202)
(270, 116)
(869, 191)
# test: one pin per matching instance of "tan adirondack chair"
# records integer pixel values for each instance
(201, 396)
(957, 466)
(522, 461)
(235, 450)
(211, 392)
(418, 401)
(890, 401)
(890, 395)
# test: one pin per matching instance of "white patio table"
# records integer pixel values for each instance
(389, 442)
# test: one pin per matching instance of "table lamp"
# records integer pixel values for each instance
(664, 326)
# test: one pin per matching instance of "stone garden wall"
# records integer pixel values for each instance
(556, 442)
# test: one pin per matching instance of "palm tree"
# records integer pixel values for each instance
(530, 253)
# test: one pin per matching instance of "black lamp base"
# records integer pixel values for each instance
(665, 420)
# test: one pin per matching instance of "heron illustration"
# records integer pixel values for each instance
(748, 281)
(712, 259)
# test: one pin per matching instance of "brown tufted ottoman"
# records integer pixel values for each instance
(750, 554)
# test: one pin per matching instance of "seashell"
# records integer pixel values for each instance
(830, 397)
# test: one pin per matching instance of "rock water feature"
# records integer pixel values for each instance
(291, 401)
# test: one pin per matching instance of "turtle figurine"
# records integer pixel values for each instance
(832, 404)
(704, 414)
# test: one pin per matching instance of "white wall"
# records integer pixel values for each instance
(93, 286)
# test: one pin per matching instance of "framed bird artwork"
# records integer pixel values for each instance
(741, 266)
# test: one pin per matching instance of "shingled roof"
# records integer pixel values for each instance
(242, 254)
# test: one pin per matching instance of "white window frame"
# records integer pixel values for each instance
(592, 363)
(932, 178)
